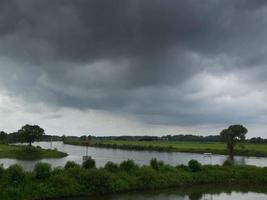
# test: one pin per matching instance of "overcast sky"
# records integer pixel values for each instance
(133, 67)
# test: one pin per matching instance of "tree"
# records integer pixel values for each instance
(3, 137)
(30, 133)
(232, 135)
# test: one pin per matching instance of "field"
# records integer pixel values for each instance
(28, 153)
(259, 150)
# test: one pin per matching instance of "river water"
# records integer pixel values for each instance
(193, 193)
(103, 155)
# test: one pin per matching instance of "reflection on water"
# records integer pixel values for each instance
(102, 155)
(193, 193)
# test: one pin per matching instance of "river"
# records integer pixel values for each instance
(193, 193)
(103, 155)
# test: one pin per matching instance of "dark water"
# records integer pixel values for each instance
(193, 193)
(102, 155)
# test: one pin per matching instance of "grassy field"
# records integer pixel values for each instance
(28, 153)
(259, 150)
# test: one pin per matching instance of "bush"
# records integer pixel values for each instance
(30, 149)
(57, 171)
(1, 170)
(71, 164)
(128, 165)
(155, 164)
(42, 170)
(194, 165)
(111, 167)
(227, 163)
(89, 164)
(15, 174)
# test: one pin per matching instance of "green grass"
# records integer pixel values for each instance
(259, 150)
(75, 180)
(28, 153)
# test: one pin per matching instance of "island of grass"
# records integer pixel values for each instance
(23, 152)
(258, 150)
(75, 180)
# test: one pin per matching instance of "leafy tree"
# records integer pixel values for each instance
(30, 133)
(232, 135)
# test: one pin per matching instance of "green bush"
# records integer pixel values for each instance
(15, 174)
(1, 170)
(89, 164)
(227, 163)
(155, 164)
(57, 171)
(194, 165)
(128, 165)
(30, 149)
(71, 164)
(111, 167)
(42, 170)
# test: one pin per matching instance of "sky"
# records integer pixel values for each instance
(137, 67)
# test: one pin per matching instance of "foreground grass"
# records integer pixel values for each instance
(75, 180)
(28, 153)
(258, 150)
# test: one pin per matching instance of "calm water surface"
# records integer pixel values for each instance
(103, 155)
(193, 193)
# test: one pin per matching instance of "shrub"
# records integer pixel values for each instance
(183, 167)
(155, 164)
(194, 165)
(57, 171)
(30, 149)
(128, 165)
(111, 167)
(42, 170)
(98, 181)
(15, 174)
(148, 177)
(71, 164)
(89, 164)
(227, 163)
(1, 170)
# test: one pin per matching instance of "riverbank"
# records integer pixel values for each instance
(28, 152)
(257, 150)
(86, 180)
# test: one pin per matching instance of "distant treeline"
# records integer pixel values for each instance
(196, 138)
(13, 138)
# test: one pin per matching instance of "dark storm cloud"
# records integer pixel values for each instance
(121, 55)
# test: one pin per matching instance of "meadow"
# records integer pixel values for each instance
(28, 152)
(248, 149)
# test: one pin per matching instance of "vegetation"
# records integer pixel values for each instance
(233, 135)
(258, 150)
(45, 182)
(29, 133)
(28, 152)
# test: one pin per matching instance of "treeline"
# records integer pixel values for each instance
(196, 138)
(14, 137)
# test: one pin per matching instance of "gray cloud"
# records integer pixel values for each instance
(151, 59)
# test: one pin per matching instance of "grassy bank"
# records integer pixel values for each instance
(28, 153)
(75, 180)
(258, 150)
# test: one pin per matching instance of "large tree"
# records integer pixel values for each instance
(30, 133)
(232, 135)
